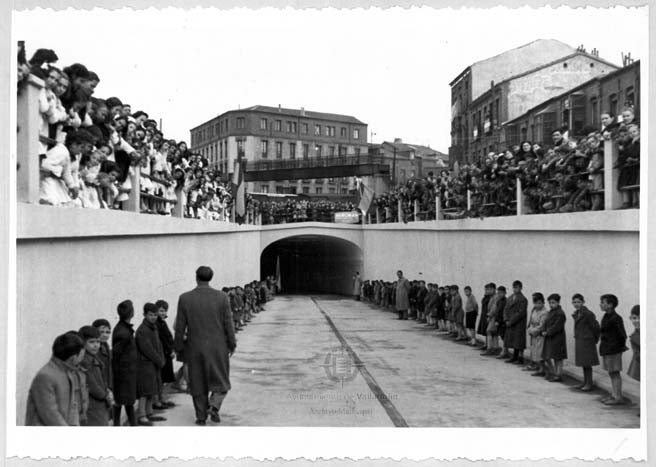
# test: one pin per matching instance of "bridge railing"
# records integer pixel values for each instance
(612, 196)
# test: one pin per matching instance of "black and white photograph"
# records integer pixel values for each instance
(328, 221)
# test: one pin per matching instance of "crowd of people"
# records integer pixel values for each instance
(566, 177)
(300, 210)
(532, 337)
(88, 382)
(90, 146)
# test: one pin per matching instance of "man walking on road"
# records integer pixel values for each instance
(205, 335)
(402, 291)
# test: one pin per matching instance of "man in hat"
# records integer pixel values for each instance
(204, 333)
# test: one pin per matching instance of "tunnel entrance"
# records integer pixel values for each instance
(313, 264)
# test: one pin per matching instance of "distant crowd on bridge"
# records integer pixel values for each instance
(89, 382)
(505, 327)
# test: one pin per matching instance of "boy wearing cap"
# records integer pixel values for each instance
(151, 361)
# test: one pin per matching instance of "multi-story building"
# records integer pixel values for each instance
(407, 160)
(577, 110)
(500, 88)
(273, 133)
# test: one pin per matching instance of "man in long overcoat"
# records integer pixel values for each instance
(402, 289)
(515, 315)
(204, 333)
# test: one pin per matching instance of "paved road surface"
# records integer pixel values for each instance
(330, 361)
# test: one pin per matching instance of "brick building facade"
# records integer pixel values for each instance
(501, 88)
(578, 109)
(270, 133)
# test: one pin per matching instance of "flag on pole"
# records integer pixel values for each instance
(239, 195)
(366, 196)
(278, 280)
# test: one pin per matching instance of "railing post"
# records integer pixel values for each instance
(437, 208)
(179, 208)
(233, 211)
(133, 203)
(612, 196)
(368, 218)
(27, 140)
(377, 215)
(416, 210)
(519, 193)
(468, 200)
(399, 213)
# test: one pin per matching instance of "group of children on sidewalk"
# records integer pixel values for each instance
(507, 319)
(87, 383)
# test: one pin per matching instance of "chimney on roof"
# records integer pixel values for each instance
(302, 111)
(397, 140)
(279, 109)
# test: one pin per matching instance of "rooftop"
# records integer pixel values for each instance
(305, 113)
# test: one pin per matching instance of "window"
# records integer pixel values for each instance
(331, 150)
(357, 151)
(263, 124)
(317, 150)
(292, 150)
(240, 122)
(332, 131)
(306, 190)
(265, 148)
(280, 189)
(278, 126)
(331, 181)
(317, 130)
(343, 190)
(342, 150)
(327, 131)
(497, 113)
(356, 133)
(612, 104)
(306, 151)
(264, 189)
(594, 108)
(629, 97)
(278, 149)
(240, 147)
(331, 190)
(304, 128)
(342, 132)
(578, 114)
(318, 190)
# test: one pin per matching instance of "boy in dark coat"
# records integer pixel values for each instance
(611, 347)
(100, 396)
(124, 364)
(586, 336)
(166, 339)
(149, 366)
(105, 353)
(555, 344)
(516, 316)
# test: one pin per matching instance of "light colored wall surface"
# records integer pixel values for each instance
(74, 265)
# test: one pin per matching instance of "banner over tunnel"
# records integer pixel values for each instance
(313, 264)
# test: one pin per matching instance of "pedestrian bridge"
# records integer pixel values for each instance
(75, 265)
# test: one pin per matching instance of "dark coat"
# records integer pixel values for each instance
(634, 367)
(586, 336)
(555, 345)
(613, 335)
(55, 396)
(501, 306)
(166, 338)
(421, 297)
(151, 360)
(105, 356)
(204, 316)
(98, 411)
(482, 322)
(515, 313)
(124, 364)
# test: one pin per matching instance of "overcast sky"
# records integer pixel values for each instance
(389, 68)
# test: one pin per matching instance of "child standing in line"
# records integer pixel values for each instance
(634, 367)
(586, 336)
(555, 344)
(611, 347)
(101, 398)
(151, 361)
(471, 313)
(124, 364)
(166, 339)
(539, 315)
(105, 353)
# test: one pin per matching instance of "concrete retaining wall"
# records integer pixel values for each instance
(74, 266)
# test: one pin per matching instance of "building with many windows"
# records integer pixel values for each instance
(275, 133)
(408, 160)
(578, 109)
(503, 87)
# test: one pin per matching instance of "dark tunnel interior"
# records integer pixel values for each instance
(313, 264)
